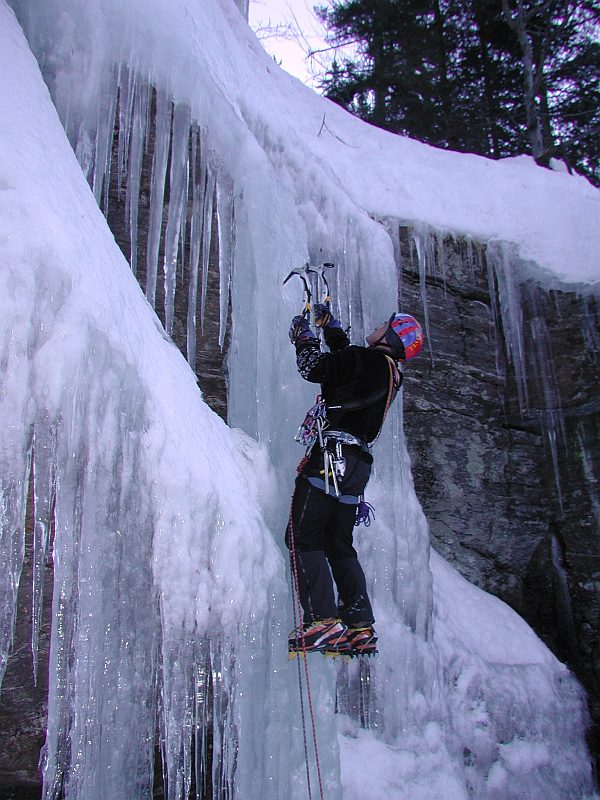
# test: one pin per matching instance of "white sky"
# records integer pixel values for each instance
(296, 31)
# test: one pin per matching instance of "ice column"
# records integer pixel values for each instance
(178, 192)
(551, 415)
(198, 180)
(423, 242)
(103, 668)
(133, 153)
(13, 498)
(162, 123)
(226, 228)
(198, 718)
(511, 312)
(533, 365)
(44, 498)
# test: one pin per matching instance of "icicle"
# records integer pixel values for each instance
(176, 718)
(126, 97)
(226, 226)
(54, 759)
(469, 257)
(441, 256)
(550, 422)
(103, 146)
(591, 481)
(495, 314)
(183, 235)
(102, 678)
(177, 205)
(551, 415)
(139, 126)
(157, 193)
(356, 694)
(423, 251)
(198, 191)
(563, 597)
(201, 722)
(196, 721)
(512, 317)
(397, 241)
(224, 734)
(44, 449)
(207, 220)
(13, 506)
(393, 229)
(590, 328)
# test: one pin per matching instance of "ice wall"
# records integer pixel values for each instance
(165, 576)
(215, 644)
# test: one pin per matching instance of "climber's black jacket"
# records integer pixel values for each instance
(350, 375)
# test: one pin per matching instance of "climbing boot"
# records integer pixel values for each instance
(359, 641)
(321, 635)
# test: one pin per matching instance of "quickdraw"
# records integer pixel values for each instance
(365, 513)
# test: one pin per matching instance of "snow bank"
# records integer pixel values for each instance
(553, 218)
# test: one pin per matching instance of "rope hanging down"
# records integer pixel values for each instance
(297, 607)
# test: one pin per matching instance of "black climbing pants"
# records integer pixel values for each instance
(323, 528)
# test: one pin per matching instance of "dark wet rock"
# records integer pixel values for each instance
(513, 519)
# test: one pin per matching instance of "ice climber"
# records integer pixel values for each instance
(358, 384)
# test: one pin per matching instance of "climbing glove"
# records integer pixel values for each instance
(324, 318)
(300, 330)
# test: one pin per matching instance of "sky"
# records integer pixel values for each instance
(295, 31)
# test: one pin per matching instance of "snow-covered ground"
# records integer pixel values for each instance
(169, 523)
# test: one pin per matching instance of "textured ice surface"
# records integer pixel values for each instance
(170, 601)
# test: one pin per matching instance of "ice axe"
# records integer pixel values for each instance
(320, 271)
(302, 272)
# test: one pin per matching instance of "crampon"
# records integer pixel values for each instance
(331, 638)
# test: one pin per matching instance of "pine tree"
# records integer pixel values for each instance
(495, 77)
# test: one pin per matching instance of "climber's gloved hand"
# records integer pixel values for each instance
(324, 318)
(300, 330)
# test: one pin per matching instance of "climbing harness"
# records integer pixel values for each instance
(334, 462)
(314, 429)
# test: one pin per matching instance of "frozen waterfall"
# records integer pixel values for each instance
(171, 606)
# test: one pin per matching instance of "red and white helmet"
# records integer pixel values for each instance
(404, 336)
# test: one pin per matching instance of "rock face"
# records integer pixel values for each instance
(509, 484)
(511, 496)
